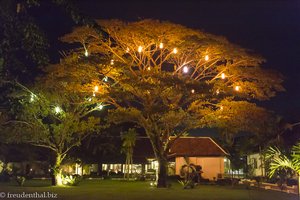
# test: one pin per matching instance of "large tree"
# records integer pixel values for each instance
(170, 79)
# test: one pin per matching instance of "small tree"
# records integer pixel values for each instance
(55, 116)
(129, 139)
(170, 79)
(279, 162)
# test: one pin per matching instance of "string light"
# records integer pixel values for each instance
(86, 53)
(148, 68)
(32, 97)
(94, 94)
(100, 107)
(127, 49)
(161, 45)
(140, 49)
(223, 76)
(105, 79)
(96, 88)
(112, 62)
(206, 57)
(90, 99)
(221, 107)
(193, 91)
(218, 91)
(57, 109)
(185, 69)
(237, 88)
(175, 50)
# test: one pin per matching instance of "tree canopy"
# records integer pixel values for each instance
(170, 79)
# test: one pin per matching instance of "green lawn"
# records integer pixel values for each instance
(120, 190)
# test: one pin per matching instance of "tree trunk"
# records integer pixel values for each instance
(57, 173)
(162, 173)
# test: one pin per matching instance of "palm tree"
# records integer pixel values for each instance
(129, 139)
(281, 162)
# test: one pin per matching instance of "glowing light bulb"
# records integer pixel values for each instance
(32, 97)
(193, 91)
(86, 53)
(140, 49)
(94, 94)
(221, 108)
(185, 69)
(237, 88)
(96, 88)
(57, 109)
(100, 107)
(175, 50)
(112, 62)
(127, 49)
(90, 99)
(223, 76)
(148, 68)
(206, 57)
(218, 91)
(161, 45)
(105, 79)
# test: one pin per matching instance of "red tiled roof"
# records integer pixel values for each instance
(196, 146)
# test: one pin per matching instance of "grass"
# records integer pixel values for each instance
(116, 190)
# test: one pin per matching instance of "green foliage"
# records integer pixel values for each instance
(20, 180)
(23, 46)
(187, 184)
(71, 180)
(279, 162)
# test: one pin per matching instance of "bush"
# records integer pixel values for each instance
(227, 181)
(72, 180)
(188, 184)
(20, 180)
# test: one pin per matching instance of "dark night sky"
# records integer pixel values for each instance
(270, 28)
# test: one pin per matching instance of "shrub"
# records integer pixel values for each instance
(187, 184)
(72, 180)
(20, 180)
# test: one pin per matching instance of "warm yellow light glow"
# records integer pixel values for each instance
(105, 79)
(86, 53)
(94, 94)
(96, 88)
(90, 99)
(206, 57)
(100, 107)
(140, 49)
(127, 49)
(218, 91)
(32, 97)
(161, 45)
(237, 88)
(223, 76)
(193, 91)
(57, 109)
(221, 108)
(185, 69)
(148, 68)
(175, 50)
(112, 62)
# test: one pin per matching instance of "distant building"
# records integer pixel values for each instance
(199, 151)
(202, 152)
